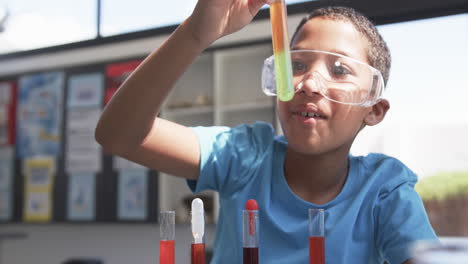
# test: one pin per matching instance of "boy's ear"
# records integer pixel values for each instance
(377, 113)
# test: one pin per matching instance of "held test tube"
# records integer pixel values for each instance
(316, 236)
(198, 231)
(166, 233)
(250, 230)
(281, 51)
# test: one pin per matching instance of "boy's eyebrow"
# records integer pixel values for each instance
(331, 50)
(341, 52)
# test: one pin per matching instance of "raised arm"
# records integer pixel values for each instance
(129, 126)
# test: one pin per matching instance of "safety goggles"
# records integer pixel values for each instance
(337, 77)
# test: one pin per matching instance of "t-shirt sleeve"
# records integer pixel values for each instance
(230, 156)
(401, 218)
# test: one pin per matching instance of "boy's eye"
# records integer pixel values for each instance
(339, 70)
(298, 67)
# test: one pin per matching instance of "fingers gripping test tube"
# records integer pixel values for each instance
(281, 50)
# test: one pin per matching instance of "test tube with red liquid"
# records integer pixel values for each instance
(198, 232)
(250, 231)
(166, 233)
(281, 50)
(316, 236)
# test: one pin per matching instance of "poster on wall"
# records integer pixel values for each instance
(85, 90)
(83, 153)
(38, 186)
(132, 195)
(116, 74)
(39, 114)
(7, 113)
(81, 197)
(84, 102)
(6, 183)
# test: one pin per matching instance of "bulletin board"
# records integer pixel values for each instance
(51, 168)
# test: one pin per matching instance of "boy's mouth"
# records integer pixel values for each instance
(310, 114)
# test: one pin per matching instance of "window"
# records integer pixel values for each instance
(427, 124)
(38, 24)
(120, 16)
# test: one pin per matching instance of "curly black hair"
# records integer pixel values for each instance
(378, 53)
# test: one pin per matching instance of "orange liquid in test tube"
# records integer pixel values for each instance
(281, 51)
(166, 251)
(198, 254)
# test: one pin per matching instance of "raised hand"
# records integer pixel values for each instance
(213, 19)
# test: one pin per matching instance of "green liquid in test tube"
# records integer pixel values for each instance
(281, 51)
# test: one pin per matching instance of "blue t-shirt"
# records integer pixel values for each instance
(376, 216)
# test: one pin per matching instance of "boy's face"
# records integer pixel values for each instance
(337, 124)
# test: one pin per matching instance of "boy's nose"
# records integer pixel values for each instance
(309, 85)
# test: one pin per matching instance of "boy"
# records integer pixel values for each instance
(372, 213)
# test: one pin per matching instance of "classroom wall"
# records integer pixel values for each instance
(113, 243)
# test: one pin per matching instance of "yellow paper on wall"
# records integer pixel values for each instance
(38, 184)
